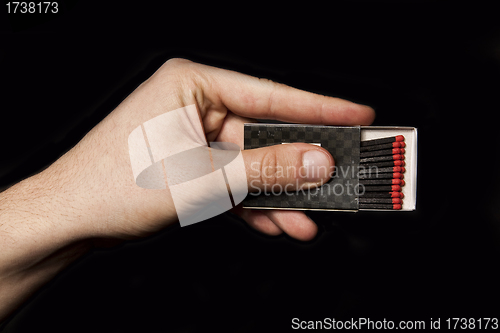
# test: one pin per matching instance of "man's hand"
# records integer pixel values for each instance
(226, 100)
(47, 220)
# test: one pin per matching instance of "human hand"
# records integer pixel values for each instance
(95, 176)
(47, 220)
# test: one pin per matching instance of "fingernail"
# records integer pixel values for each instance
(316, 166)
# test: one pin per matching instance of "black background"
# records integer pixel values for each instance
(432, 66)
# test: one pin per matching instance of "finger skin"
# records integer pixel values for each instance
(273, 222)
(253, 97)
(232, 129)
(294, 223)
(282, 165)
(258, 220)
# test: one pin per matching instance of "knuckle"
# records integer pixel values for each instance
(173, 66)
(275, 87)
(263, 80)
(190, 75)
(269, 168)
(176, 62)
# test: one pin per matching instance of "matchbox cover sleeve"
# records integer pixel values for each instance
(342, 142)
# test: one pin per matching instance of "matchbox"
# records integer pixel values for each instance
(375, 167)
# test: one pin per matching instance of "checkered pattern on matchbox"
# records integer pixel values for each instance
(342, 142)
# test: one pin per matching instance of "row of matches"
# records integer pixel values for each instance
(381, 173)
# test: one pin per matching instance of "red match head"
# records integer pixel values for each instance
(395, 188)
(397, 195)
(400, 138)
(396, 206)
(397, 151)
(397, 181)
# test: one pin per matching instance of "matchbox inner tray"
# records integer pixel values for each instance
(344, 191)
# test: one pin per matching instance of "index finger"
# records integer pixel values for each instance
(252, 97)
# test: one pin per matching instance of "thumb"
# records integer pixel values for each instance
(287, 167)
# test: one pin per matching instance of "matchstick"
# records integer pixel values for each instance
(397, 138)
(382, 170)
(383, 146)
(382, 152)
(393, 181)
(381, 158)
(385, 164)
(383, 195)
(383, 188)
(381, 200)
(380, 206)
(375, 175)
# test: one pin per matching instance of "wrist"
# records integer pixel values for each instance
(37, 239)
(35, 222)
